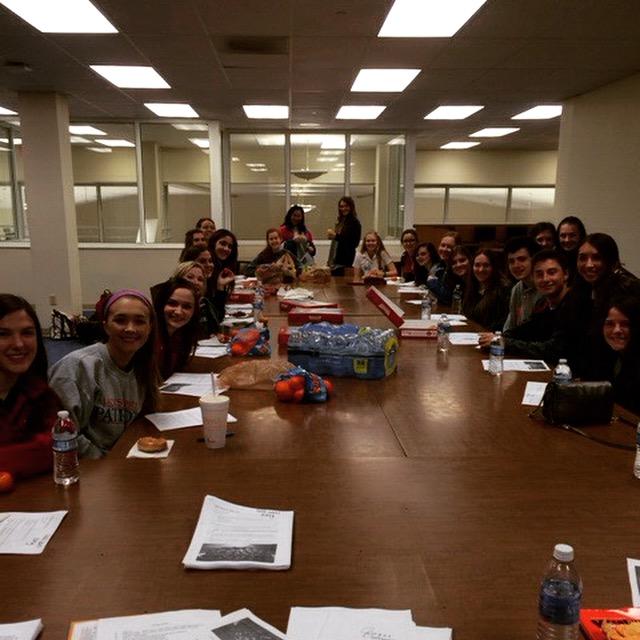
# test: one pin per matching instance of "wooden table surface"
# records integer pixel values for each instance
(430, 490)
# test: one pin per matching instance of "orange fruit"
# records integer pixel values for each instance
(6, 481)
(283, 391)
(329, 386)
(298, 395)
(296, 382)
(237, 349)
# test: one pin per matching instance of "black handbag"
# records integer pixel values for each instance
(578, 403)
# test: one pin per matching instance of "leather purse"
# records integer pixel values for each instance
(578, 403)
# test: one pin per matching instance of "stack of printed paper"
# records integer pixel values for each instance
(230, 536)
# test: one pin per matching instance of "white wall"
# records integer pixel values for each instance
(599, 164)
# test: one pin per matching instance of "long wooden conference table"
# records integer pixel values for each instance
(431, 490)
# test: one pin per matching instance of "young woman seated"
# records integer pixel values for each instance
(428, 265)
(193, 238)
(177, 311)
(487, 300)
(282, 263)
(616, 355)
(209, 317)
(106, 385)
(409, 242)
(28, 406)
(373, 261)
(296, 237)
(223, 247)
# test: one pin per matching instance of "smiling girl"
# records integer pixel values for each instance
(275, 254)
(177, 310)
(373, 261)
(106, 385)
(27, 405)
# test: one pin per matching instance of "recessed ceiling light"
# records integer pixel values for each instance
(333, 141)
(85, 130)
(390, 80)
(190, 127)
(110, 142)
(131, 77)
(16, 141)
(270, 139)
(100, 149)
(256, 165)
(395, 141)
(427, 18)
(171, 109)
(329, 152)
(459, 145)
(266, 111)
(258, 169)
(235, 159)
(79, 140)
(541, 112)
(458, 112)
(327, 159)
(356, 112)
(309, 125)
(7, 112)
(494, 132)
(61, 16)
(203, 143)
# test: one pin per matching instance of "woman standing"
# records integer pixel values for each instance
(28, 406)
(345, 236)
(487, 300)
(296, 237)
(373, 261)
(106, 385)
(177, 310)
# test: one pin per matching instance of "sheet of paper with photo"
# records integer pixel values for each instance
(185, 624)
(28, 630)
(28, 532)
(529, 366)
(244, 625)
(231, 536)
(340, 623)
(190, 384)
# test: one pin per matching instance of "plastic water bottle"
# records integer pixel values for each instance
(258, 304)
(65, 450)
(636, 464)
(562, 372)
(560, 598)
(425, 306)
(443, 333)
(496, 355)
(456, 299)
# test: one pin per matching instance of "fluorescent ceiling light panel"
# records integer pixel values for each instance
(131, 77)
(266, 111)
(357, 112)
(459, 112)
(203, 143)
(335, 142)
(256, 165)
(100, 149)
(79, 140)
(386, 80)
(258, 169)
(235, 159)
(541, 112)
(395, 141)
(270, 139)
(494, 132)
(110, 142)
(16, 141)
(7, 112)
(85, 130)
(309, 125)
(427, 18)
(459, 145)
(190, 127)
(171, 109)
(61, 16)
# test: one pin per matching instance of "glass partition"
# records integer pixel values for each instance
(105, 183)
(476, 205)
(531, 204)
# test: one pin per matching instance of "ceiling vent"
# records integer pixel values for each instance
(253, 45)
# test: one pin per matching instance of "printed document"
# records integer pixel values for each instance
(29, 630)
(520, 365)
(464, 338)
(633, 567)
(189, 384)
(211, 352)
(28, 532)
(167, 420)
(533, 393)
(231, 536)
(244, 625)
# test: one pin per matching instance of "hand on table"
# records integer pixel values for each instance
(484, 339)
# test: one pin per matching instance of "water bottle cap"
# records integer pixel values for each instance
(63, 415)
(563, 552)
(562, 361)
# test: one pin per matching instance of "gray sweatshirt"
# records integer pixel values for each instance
(101, 398)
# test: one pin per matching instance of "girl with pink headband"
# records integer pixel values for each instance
(106, 385)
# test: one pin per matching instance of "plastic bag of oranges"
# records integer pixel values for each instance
(250, 342)
(298, 385)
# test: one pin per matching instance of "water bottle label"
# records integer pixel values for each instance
(62, 445)
(496, 350)
(560, 602)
